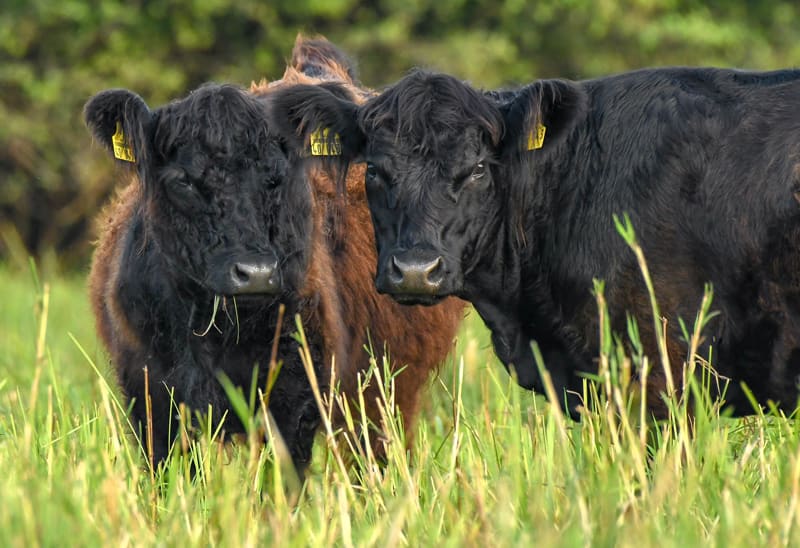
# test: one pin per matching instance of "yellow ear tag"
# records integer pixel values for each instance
(322, 145)
(122, 149)
(536, 137)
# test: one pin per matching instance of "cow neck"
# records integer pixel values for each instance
(540, 306)
(495, 280)
(540, 202)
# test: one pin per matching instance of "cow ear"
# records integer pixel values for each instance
(318, 121)
(117, 119)
(319, 58)
(540, 116)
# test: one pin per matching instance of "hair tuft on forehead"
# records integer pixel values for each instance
(424, 106)
(224, 118)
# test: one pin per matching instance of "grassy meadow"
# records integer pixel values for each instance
(491, 465)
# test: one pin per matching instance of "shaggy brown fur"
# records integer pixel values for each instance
(417, 338)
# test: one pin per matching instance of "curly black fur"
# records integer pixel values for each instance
(217, 190)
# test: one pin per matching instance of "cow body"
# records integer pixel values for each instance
(218, 226)
(705, 162)
(468, 200)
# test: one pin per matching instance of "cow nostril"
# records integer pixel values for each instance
(240, 274)
(395, 271)
(434, 271)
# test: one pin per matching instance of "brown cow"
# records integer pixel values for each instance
(219, 224)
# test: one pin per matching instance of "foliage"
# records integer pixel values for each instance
(55, 54)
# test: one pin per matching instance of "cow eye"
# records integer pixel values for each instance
(371, 173)
(271, 181)
(181, 184)
(184, 182)
(177, 178)
(478, 171)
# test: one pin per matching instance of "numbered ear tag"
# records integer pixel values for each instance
(536, 137)
(122, 148)
(323, 144)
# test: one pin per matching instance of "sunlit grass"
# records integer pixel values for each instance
(491, 464)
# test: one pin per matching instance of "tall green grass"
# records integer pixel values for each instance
(491, 464)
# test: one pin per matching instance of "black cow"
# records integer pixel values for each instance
(507, 198)
(196, 254)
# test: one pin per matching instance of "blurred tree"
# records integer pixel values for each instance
(54, 54)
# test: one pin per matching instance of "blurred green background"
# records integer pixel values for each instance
(54, 54)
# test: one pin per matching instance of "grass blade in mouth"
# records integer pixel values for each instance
(212, 321)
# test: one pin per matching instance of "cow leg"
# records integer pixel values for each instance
(292, 403)
(513, 347)
(511, 344)
(561, 367)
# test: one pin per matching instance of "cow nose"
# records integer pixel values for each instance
(416, 276)
(255, 276)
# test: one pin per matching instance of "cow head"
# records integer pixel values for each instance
(440, 176)
(223, 203)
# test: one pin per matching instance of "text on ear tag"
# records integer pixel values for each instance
(323, 145)
(122, 148)
(536, 137)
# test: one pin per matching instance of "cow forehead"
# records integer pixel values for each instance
(197, 159)
(447, 151)
(223, 119)
(423, 108)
